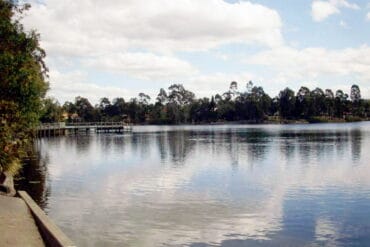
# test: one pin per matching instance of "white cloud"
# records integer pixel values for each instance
(66, 86)
(146, 66)
(345, 4)
(141, 38)
(320, 10)
(368, 16)
(311, 64)
(93, 26)
(211, 84)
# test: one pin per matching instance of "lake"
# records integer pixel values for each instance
(220, 185)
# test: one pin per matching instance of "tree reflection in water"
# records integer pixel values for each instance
(207, 185)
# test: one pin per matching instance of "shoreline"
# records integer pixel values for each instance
(268, 121)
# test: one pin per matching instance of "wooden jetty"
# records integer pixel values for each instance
(57, 129)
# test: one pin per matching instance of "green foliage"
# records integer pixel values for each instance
(51, 111)
(355, 93)
(253, 105)
(84, 109)
(353, 119)
(287, 103)
(13, 137)
(23, 82)
(179, 95)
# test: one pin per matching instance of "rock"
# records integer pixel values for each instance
(7, 185)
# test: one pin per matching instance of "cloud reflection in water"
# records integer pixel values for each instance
(210, 185)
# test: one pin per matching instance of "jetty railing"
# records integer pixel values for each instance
(91, 124)
(55, 129)
(59, 125)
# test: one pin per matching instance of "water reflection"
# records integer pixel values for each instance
(33, 178)
(209, 185)
(356, 139)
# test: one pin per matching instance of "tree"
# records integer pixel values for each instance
(104, 103)
(218, 98)
(22, 69)
(318, 102)
(69, 108)
(144, 98)
(252, 105)
(249, 86)
(286, 103)
(226, 110)
(178, 106)
(133, 110)
(358, 107)
(51, 111)
(119, 108)
(232, 93)
(303, 103)
(162, 97)
(179, 95)
(233, 90)
(144, 107)
(329, 102)
(233, 86)
(340, 103)
(262, 102)
(84, 109)
(303, 93)
(105, 109)
(339, 94)
(355, 93)
(329, 94)
(203, 110)
(23, 83)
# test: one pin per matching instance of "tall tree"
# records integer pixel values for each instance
(329, 102)
(233, 91)
(84, 109)
(105, 109)
(51, 111)
(286, 103)
(144, 98)
(179, 95)
(22, 69)
(355, 93)
(303, 103)
(119, 108)
(23, 82)
(318, 102)
(162, 97)
(340, 103)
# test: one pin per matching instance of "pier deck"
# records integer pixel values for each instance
(56, 129)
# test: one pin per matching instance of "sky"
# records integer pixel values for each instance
(120, 48)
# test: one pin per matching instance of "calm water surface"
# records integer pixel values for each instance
(268, 185)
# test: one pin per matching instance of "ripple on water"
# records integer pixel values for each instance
(303, 185)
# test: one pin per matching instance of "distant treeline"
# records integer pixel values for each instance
(178, 105)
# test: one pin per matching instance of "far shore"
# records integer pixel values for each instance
(271, 120)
